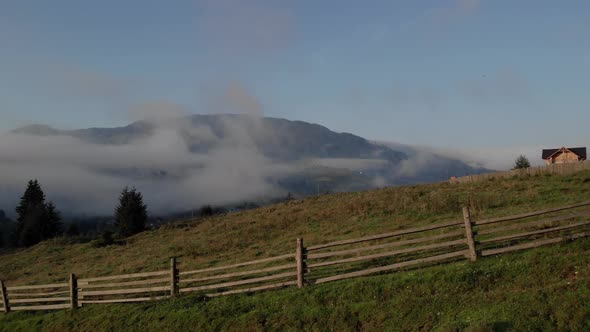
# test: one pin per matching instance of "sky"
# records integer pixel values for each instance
(453, 74)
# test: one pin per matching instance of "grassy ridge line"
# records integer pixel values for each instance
(272, 230)
(544, 289)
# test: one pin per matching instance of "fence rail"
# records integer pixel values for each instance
(559, 169)
(350, 258)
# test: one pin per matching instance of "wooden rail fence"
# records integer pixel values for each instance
(405, 248)
(559, 169)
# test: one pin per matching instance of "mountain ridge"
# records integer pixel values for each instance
(291, 156)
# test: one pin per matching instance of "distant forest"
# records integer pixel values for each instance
(38, 219)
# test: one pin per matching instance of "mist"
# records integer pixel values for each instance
(86, 178)
(500, 158)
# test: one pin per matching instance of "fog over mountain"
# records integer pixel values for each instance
(183, 162)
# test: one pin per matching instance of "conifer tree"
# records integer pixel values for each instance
(131, 213)
(36, 220)
(32, 197)
(31, 232)
(52, 225)
(522, 162)
(73, 230)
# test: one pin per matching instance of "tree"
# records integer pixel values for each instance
(206, 211)
(522, 162)
(30, 233)
(131, 213)
(7, 231)
(36, 220)
(289, 197)
(32, 198)
(73, 230)
(52, 225)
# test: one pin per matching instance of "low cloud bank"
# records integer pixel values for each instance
(86, 178)
(497, 158)
(494, 158)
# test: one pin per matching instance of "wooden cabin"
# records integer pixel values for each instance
(564, 155)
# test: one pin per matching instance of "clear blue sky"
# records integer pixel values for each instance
(451, 73)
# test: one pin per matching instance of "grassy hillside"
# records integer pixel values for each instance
(500, 293)
(545, 289)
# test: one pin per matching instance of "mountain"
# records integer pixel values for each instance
(307, 158)
(276, 138)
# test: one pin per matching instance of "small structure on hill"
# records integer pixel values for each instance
(564, 155)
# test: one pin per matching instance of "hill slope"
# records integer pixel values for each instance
(545, 289)
(549, 284)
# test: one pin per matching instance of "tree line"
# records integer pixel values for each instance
(38, 219)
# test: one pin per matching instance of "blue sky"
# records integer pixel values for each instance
(446, 73)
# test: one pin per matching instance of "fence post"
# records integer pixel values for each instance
(4, 297)
(173, 277)
(469, 234)
(73, 291)
(300, 258)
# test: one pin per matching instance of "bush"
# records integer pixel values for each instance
(106, 239)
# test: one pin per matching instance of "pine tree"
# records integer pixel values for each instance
(522, 162)
(52, 225)
(131, 213)
(28, 212)
(7, 229)
(73, 230)
(2, 221)
(36, 220)
(31, 231)
(32, 197)
(206, 211)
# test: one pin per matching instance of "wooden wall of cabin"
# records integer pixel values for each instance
(563, 157)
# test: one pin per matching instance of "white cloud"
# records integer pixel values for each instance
(233, 97)
(86, 178)
(349, 163)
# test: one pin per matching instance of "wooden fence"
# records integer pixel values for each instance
(560, 169)
(317, 264)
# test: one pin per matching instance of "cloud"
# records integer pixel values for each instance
(495, 158)
(349, 163)
(86, 178)
(419, 162)
(232, 97)
(157, 110)
(423, 158)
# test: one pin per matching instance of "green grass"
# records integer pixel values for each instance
(523, 291)
(536, 290)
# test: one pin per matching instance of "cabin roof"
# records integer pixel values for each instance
(548, 153)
